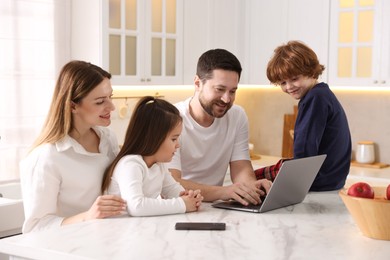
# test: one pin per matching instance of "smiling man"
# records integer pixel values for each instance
(215, 135)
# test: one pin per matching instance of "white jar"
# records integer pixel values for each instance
(365, 152)
(251, 147)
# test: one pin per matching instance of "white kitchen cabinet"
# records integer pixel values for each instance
(211, 24)
(143, 41)
(86, 30)
(360, 43)
(250, 29)
(137, 41)
(273, 23)
(201, 25)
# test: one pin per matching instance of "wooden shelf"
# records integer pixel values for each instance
(376, 165)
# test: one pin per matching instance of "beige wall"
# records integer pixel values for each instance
(367, 111)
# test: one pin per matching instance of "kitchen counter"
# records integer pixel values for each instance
(374, 176)
(318, 228)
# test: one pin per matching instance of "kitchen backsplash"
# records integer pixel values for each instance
(367, 111)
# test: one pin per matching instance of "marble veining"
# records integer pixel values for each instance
(318, 228)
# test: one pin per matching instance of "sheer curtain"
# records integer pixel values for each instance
(34, 45)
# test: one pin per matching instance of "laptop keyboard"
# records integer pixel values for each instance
(250, 206)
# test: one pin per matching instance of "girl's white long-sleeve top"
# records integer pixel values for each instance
(148, 191)
(63, 179)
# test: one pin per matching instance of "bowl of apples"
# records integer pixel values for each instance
(370, 208)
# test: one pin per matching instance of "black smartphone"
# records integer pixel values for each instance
(200, 226)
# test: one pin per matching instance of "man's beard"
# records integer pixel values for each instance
(208, 107)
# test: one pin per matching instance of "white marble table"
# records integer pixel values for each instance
(318, 228)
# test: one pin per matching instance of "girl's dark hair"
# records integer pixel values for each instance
(150, 124)
(216, 59)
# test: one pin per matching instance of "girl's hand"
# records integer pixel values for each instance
(192, 200)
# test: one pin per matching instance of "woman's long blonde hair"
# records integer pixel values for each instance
(76, 80)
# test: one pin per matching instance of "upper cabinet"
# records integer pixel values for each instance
(211, 24)
(251, 30)
(159, 41)
(276, 22)
(359, 43)
(86, 41)
(143, 41)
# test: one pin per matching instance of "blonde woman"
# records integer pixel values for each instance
(62, 175)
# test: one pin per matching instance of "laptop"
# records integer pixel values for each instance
(290, 186)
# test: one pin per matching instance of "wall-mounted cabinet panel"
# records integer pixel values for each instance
(308, 21)
(359, 43)
(211, 24)
(273, 23)
(267, 30)
(143, 41)
(86, 31)
(160, 41)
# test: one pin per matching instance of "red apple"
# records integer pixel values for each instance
(362, 190)
(388, 192)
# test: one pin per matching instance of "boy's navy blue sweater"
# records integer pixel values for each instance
(322, 128)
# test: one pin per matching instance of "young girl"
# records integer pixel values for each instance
(138, 174)
(62, 174)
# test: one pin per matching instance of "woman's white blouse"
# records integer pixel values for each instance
(63, 179)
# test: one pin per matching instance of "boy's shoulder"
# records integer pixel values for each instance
(320, 89)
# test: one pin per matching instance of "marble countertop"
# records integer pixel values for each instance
(374, 176)
(318, 228)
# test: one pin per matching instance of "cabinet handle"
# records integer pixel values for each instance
(375, 82)
(383, 81)
(142, 80)
(148, 79)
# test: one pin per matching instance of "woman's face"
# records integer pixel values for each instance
(95, 108)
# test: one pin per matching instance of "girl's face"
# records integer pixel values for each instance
(298, 86)
(95, 108)
(168, 148)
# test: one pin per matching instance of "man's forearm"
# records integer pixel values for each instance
(242, 171)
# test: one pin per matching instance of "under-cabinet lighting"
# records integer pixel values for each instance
(240, 86)
(362, 88)
(153, 87)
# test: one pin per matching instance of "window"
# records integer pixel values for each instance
(33, 47)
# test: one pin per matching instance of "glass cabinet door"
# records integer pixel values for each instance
(163, 37)
(384, 68)
(356, 49)
(144, 40)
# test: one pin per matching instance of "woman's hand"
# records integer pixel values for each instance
(106, 206)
